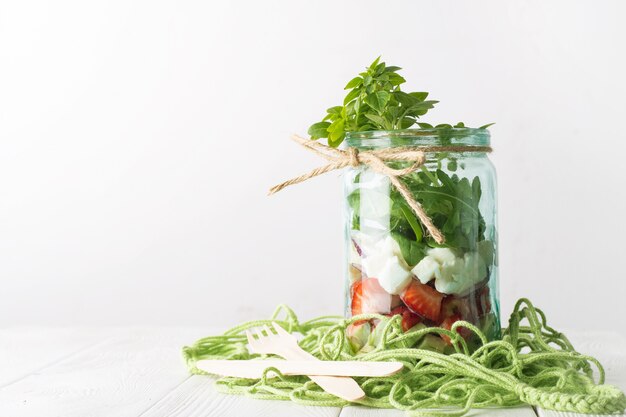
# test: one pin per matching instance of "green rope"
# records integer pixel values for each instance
(532, 364)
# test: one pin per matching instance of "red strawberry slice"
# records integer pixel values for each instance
(409, 319)
(369, 297)
(423, 300)
(447, 324)
(469, 307)
(397, 310)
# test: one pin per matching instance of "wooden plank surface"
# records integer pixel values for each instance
(609, 349)
(196, 397)
(123, 376)
(24, 350)
(139, 372)
(549, 413)
(355, 411)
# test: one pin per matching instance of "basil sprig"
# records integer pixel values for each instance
(376, 102)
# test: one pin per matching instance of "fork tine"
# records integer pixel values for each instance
(280, 330)
(267, 330)
(258, 333)
(250, 338)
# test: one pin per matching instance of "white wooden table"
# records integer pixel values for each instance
(133, 372)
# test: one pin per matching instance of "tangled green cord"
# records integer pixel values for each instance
(532, 364)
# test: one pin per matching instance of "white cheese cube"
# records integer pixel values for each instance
(389, 246)
(452, 274)
(442, 255)
(373, 264)
(367, 242)
(427, 269)
(452, 279)
(459, 276)
(384, 261)
(394, 277)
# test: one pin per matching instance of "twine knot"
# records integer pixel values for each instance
(376, 160)
(354, 157)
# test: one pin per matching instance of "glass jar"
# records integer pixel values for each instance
(393, 266)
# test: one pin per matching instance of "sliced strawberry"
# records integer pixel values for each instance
(409, 319)
(447, 324)
(469, 307)
(423, 300)
(356, 294)
(369, 297)
(397, 310)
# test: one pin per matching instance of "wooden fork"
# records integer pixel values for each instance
(284, 344)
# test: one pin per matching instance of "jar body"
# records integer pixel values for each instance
(393, 267)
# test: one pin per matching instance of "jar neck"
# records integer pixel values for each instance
(457, 137)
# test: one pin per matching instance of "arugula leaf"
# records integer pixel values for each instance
(451, 202)
(412, 251)
(411, 218)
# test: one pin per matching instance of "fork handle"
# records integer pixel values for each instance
(341, 386)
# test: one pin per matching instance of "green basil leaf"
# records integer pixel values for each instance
(421, 96)
(351, 96)
(374, 64)
(396, 79)
(319, 130)
(334, 110)
(376, 92)
(392, 68)
(378, 100)
(379, 120)
(355, 82)
(336, 137)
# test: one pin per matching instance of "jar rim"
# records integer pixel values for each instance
(458, 136)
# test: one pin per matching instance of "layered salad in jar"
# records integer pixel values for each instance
(394, 267)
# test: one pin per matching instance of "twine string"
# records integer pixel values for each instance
(377, 160)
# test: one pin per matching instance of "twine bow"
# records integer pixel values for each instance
(376, 161)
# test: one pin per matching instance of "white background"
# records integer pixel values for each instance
(138, 140)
